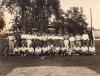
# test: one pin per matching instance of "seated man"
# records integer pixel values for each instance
(17, 50)
(84, 49)
(77, 50)
(30, 50)
(64, 50)
(38, 50)
(92, 50)
(23, 50)
(70, 51)
(44, 50)
(78, 40)
(57, 49)
(51, 51)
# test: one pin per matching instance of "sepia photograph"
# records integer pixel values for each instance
(49, 38)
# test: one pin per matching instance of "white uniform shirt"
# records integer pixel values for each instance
(85, 37)
(48, 48)
(16, 49)
(78, 37)
(22, 36)
(92, 49)
(63, 48)
(29, 36)
(72, 38)
(23, 49)
(44, 49)
(51, 46)
(40, 37)
(57, 48)
(30, 49)
(66, 42)
(52, 37)
(61, 37)
(48, 37)
(66, 37)
(29, 41)
(38, 49)
(84, 49)
(44, 37)
(55, 37)
(77, 48)
(11, 38)
(35, 36)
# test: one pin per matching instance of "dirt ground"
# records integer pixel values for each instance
(53, 71)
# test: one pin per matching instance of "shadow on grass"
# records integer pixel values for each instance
(7, 64)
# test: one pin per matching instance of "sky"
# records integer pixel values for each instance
(66, 4)
(86, 4)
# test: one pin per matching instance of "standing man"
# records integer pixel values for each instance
(11, 42)
(66, 41)
(29, 40)
(72, 41)
(78, 40)
(85, 38)
(18, 39)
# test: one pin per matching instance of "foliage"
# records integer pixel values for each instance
(2, 22)
(32, 13)
(37, 13)
(76, 20)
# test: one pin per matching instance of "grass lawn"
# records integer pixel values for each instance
(58, 66)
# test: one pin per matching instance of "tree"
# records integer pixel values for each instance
(44, 10)
(33, 13)
(76, 20)
(2, 22)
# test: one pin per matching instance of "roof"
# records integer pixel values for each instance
(96, 29)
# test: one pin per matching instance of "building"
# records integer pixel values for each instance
(97, 33)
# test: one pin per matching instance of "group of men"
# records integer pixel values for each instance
(51, 44)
